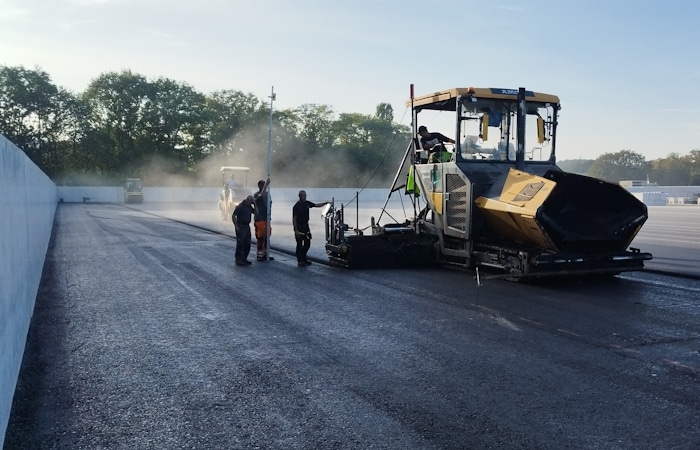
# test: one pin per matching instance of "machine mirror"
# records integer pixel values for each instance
(540, 130)
(326, 209)
(484, 127)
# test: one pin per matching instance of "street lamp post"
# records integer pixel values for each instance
(268, 196)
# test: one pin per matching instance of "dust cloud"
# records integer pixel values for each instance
(292, 166)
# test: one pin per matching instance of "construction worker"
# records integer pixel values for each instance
(302, 233)
(261, 216)
(433, 143)
(241, 222)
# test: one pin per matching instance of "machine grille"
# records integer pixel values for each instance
(456, 203)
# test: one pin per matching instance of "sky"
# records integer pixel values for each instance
(627, 72)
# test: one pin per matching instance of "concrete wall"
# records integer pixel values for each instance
(650, 195)
(651, 198)
(174, 194)
(666, 195)
(28, 205)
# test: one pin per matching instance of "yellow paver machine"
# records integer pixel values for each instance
(489, 201)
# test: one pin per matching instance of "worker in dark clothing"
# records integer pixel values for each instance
(241, 222)
(261, 219)
(302, 233)
(434, 143)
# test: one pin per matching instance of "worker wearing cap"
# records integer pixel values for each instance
(241, 221)
(261, 220)
(433, 143)
(302, 232)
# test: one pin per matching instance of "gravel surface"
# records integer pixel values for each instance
(145, 335)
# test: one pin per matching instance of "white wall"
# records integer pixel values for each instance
(27, 205)
(112, 194)
(651, 198)
(665, 195)
(650, 195)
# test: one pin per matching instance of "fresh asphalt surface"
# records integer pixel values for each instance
(145, 335)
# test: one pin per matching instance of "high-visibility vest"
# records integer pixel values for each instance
(411, 186)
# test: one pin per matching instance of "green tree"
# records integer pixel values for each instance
(229, 112)
(693, 160)
(370, 146)
(670, 171)
(314, 126)
(623, 165)
(385, 112)
(140, 127)
(117, 103)
(308, 147)
(579, 166)
(287, 157)
(172, 125)
(34, 115)
(123, 122)
(75, 145)
(66, 130)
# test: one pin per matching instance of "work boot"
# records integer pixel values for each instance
(262, 258)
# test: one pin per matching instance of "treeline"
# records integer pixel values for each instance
(166, 132)
(673, 170)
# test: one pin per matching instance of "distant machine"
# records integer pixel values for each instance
(234, 189)
(133, 191)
